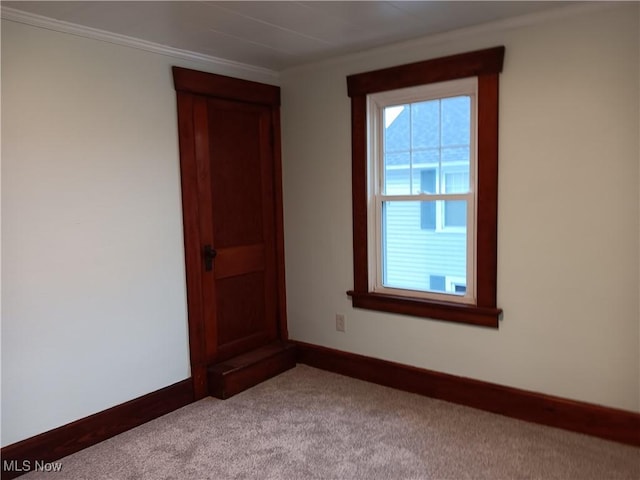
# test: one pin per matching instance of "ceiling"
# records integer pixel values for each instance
(278, 35)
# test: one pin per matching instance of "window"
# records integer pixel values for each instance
(421, 155)
(425, 188)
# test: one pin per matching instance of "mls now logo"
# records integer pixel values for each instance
(29, 466)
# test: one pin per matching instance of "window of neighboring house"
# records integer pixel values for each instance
(451, 213)
(425, 188)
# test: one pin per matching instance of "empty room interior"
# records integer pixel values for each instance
(320, 239)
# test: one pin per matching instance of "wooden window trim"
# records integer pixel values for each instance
(486, 65)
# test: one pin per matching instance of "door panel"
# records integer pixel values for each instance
(241, 306)
(237, 153)
(240, 169)
(234, 261)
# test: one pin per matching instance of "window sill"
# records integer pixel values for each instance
(418, 307)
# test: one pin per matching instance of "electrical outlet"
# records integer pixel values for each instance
(339, 322)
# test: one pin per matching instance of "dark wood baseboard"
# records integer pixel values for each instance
(244, 371)
(609, 423)
(18, 458)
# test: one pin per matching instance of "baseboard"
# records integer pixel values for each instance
(249, 369)
(21, 457)
(608, 423)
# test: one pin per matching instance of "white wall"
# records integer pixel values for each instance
(93, 297)
(568, 213)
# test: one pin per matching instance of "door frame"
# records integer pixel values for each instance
(189, 85)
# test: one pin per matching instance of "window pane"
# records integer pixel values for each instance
(425, 124)
(397, 180)
(428, 180)
(457, 155)
(412, 256)
(396, 129)
(455, 213)
(456, 182)
(423, 161)
(425, 158)
(456, 121)
(435, 134)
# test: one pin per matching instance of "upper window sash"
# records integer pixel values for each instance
(376, 104)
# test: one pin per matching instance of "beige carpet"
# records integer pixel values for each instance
(311, 424)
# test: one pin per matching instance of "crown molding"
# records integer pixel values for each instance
(27, 18)
(47, 23)
(505, 24)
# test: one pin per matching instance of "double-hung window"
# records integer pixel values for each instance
(422, 169)
(425, 188)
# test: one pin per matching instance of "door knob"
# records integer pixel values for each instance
(209, 254)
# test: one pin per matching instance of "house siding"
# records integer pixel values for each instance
(413, 255)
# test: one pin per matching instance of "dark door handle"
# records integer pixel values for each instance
(209, 253)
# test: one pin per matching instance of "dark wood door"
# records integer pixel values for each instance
(230, 169)
(238, 221)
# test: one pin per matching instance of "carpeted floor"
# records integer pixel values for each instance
(311, 424)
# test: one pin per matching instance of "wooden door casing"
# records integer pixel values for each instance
(218, 117)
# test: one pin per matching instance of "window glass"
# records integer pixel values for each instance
(397, 173)
(425, 125)
(434, 133)
(456, 182)
(455, 213)
(427, 152)
(456, 121)
(411, 254)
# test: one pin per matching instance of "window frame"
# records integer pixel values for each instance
(379, 194)
(486, 66)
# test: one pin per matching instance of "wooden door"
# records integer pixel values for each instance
(230, 168)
